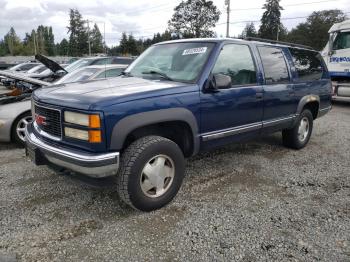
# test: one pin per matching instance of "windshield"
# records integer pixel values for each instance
(342, 41)
(181, 62)
(37, 69)
(79, 75)
(77, 64)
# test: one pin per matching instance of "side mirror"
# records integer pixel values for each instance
(219, 81)
(60, 73)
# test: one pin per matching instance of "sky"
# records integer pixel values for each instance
(143, 18)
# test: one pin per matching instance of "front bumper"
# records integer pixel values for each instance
(92, 165)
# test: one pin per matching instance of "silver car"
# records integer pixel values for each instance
(15, 116)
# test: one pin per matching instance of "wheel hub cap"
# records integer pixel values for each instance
(157, 176)
(21, 127)
(303, 130)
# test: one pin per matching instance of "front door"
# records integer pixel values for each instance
(237, 110)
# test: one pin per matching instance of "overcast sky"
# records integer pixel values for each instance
(139, 17)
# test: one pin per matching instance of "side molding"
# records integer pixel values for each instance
(132, 122)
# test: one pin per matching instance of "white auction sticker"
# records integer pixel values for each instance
(192, 51)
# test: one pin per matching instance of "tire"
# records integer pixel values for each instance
(142, 168)
(18, 126)
(292, 138)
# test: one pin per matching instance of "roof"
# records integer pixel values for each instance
(236, 40)
(107, 66)
(345, 25)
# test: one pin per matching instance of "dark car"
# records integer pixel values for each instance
(177, 99)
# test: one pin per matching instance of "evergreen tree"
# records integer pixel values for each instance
(123, 45)
(78, 38)
(132, 45)
(96, 40)
(63, 47)
(271, 25)
(3, 48)
(194, 18)
(249, 31)
(12, 42)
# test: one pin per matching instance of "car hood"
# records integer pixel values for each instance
(55, 67)
(97, 94)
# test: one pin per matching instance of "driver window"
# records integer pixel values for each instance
(236, 62)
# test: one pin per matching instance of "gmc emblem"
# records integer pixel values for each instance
(40, 120)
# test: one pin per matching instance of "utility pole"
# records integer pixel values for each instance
(34, 44)
(228, 3)
(88, 22)
(278, 32)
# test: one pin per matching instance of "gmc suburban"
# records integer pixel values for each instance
(177, 99)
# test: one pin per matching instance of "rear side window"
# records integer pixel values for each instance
(236, 62)
(307, 63)
(275, 67)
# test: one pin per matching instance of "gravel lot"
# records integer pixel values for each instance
(251, 202)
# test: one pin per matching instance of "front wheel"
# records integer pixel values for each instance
(19, 126)
(151, 173)
(300, 134)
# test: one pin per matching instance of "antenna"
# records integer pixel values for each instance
(104, 46)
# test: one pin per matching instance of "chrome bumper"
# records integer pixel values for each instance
(93, 165)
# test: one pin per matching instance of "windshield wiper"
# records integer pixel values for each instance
(152, 72)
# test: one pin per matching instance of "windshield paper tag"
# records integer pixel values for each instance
(193, 51)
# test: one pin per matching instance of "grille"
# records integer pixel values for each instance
(52, 117)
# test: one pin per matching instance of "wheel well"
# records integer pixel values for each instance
(313, 107)
(177, 131)
(15, 121)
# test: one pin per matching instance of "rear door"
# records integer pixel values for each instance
(279, 100)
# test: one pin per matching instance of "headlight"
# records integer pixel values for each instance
(92, 121)
(76, 133)
(93, 136)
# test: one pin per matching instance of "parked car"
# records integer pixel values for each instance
(177, 99)
(92, 72)
(15, 110)
(23, 67)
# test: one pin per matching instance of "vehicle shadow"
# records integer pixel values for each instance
(105, 189)
(9, 146)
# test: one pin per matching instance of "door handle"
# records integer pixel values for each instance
(259, 95)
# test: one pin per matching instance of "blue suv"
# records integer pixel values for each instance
(177, 99)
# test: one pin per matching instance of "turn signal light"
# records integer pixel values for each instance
(95, 136)
(94, 121)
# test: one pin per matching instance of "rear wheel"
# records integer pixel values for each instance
(18, 128)
(300, 134)
(151, 173)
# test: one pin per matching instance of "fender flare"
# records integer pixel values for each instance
(307, 99)
(128, 124)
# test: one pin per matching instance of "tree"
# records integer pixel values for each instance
(78, 38)
(194, 18)
(123, 45)
(249, 31)
(63, 47)
(96, 40)
(3, 48)
(12, 42)
(271, 25)
(314, 32)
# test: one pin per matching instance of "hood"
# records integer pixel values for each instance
(97, 94)
(52, 65)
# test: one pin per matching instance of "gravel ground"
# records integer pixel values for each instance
(246, 202)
